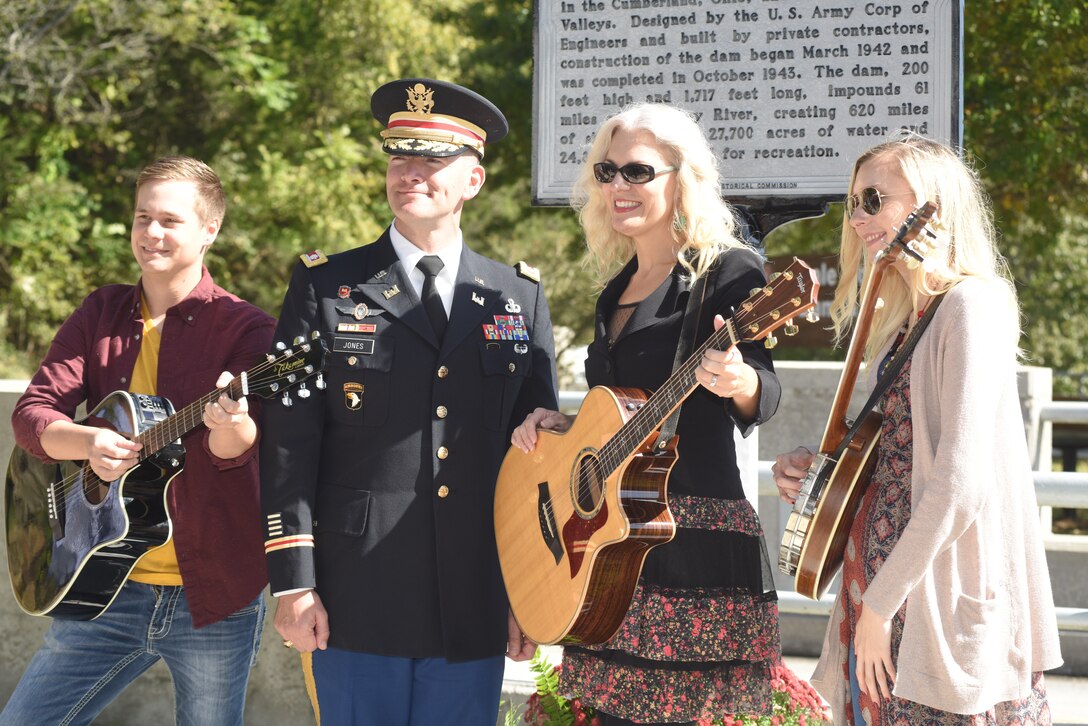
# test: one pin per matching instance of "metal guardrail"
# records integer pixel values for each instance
(1052, 489)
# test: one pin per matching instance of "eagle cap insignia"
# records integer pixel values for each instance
(420, 99)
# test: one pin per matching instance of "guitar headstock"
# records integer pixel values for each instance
(915, 238)
(785, 296)
(291, 367)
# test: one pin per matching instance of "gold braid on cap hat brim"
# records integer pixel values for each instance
(431, 135)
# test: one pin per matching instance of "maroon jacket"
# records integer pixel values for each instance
(214, 503)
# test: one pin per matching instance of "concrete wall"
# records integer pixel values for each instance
(276, 692)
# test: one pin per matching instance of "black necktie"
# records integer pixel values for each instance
(429, 265)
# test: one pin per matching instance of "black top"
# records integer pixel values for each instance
(642, 357)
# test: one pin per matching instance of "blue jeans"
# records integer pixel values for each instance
(83, 665)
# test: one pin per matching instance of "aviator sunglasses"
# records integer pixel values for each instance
(633, 173)
(871, 200)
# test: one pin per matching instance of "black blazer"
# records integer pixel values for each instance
(379, 490)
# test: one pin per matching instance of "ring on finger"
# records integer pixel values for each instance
(714, 380)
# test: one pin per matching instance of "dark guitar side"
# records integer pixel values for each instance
(71, 566)
(839, 501)
(643, 488)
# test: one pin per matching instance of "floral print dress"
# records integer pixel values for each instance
(883, 514)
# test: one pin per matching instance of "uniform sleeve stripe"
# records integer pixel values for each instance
(282, 543)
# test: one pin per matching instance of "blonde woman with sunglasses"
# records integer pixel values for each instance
(702, 632)
(945, 615)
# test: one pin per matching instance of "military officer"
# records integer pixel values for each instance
(378, 489)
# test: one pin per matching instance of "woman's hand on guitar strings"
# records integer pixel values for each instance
(524, 436)
(789, 472)
(724, 372)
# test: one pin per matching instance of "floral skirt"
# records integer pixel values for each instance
(685, 653)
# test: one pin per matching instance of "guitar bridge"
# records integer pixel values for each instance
(549, 531)
(53, 509)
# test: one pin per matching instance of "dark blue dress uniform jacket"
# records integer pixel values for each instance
(379, 490)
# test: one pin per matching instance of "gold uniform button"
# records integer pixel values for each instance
(441, 412)
(443, 491)
(352, 360)
(442, 452)
(512, 367)
(443, 371)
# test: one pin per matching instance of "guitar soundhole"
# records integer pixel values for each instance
(589, 485)
(94, 489)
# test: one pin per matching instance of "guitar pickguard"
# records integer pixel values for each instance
(576, 534)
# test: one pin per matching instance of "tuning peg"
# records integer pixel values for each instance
(303, 391)
(299, 340)
(281, 346)
(770, 341)
(315, 334)
(319, 384)
(812, 316)
(286, 400)
(791, 329)
(775, 276)
(269, 357)
(753, 291)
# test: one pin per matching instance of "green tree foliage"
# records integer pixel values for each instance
(1025, 128)
(276, 97)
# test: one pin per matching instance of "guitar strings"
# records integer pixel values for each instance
(647, 419)
(150, 437)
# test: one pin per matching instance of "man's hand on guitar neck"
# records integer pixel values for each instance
(789, 472)
(232, 429)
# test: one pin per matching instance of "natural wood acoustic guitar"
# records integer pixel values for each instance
(576, 517)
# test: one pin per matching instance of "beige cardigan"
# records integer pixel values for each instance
(970, 563)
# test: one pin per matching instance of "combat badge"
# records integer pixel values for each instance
(344, 292)
(353, 396)
(313, 258)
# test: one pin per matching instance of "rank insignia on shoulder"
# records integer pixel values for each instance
(527, 271)
(313, 258)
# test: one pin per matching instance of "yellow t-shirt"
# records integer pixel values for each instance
(160, 565)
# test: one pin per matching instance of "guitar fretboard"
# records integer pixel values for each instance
(181, 422)
(625, 442)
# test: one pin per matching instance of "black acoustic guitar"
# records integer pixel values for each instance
(72, 538)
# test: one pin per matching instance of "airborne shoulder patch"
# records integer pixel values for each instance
(527, 271)
(313, 258)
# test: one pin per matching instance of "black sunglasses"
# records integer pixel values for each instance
(633, 173)
(871, 200)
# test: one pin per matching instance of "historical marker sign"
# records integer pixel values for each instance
(789, 92)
